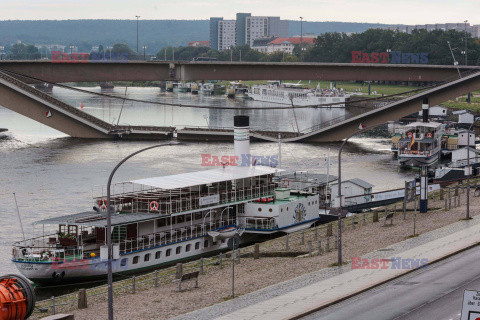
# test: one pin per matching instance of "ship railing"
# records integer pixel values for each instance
(260, 223)
(47, 253)
(414, 152)
(165, 237)
(42, 240)
(155, 203)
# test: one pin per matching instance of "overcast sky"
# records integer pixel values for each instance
(382, 11)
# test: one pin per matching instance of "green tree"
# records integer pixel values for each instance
(21, 51)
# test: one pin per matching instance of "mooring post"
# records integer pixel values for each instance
(133, 284)
(375, 216)
(329, 230)
(256, 252)
(303, 238)
(316, 233)
(319, 247)
(53, 305)
(201, 265)
(82, 299)
(310, 253)
(179, 271)
(156, 278)
(328, 244)
(446, 204)
(221, 260)
(441, 194)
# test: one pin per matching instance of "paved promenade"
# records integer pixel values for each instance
(311, 291)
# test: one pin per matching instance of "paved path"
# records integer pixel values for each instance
(435, 292)
(323, 287)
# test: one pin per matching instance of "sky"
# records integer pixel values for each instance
(372, 11)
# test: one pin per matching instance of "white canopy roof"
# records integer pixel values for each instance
(191, 179)
(424, 124)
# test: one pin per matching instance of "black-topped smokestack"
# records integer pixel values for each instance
(425, 109)
(241, 135)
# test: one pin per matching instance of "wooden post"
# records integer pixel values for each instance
(156, 278)
(286, 243)
(364, 221)
(375, 216)
(449, 199)
(336, 242)
(179, 271)
(441, 194)
(310, 252)
(319, 247)
(201, 265)
(82, 299)
(328, 244)
(446, 204)
(303, 237)
(456, 190)
(133, 284)
(316, 233)
(256, 252)
(329, 230)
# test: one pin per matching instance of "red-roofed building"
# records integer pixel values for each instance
(199, 44)
(287, 44)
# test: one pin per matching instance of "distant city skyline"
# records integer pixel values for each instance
(371, 11)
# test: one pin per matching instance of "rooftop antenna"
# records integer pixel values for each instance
(19, 218)
(455, 62)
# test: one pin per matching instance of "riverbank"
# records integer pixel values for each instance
(254, 274)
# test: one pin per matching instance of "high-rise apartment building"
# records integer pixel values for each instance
(247, 28)
(226, 34)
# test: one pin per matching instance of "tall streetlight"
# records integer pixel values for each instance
(71, 49)
(466, 41)
(469, 172)
(109, 225)
(301, 38)
(144, 47)
(137, 32)
(361, 129)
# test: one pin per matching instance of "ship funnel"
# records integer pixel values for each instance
(241, 136)
(425, 109)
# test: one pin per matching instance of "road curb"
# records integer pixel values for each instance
(323, 306)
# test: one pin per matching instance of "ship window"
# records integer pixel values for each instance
(158, 254)
(178, 250)
(123, 262)
(214, 243)
(168, 253)
(270, 210)
(161, 222)
(189, 246)
(197, 245)
(259, 209)
(223, 240)
(281, 210)
(205, 244)
(287, 208)
(135, 260)
(147, 257)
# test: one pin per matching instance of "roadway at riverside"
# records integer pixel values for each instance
(432, 293)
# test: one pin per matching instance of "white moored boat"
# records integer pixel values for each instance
(420, 143)
(298, 94)
(163, 220)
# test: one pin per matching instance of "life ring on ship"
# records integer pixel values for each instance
(429, 135)
(409, 134)
(286, 183)
(102, 203)
(154, 206)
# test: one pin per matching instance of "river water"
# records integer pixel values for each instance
(53, 174)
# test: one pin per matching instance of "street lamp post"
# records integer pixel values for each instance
(144, 47)
(109, 226)
(137, 32)
(361, 129)
(71, 49)
(301, 38)
(469, 170)
(466, 41)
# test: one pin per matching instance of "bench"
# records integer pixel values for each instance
(387, 217)
(187, 277)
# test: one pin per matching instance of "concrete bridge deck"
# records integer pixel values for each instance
(39, 106)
